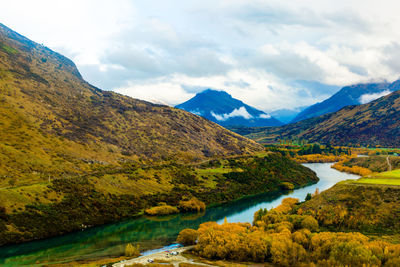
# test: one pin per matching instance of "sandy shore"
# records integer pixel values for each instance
(164, 256)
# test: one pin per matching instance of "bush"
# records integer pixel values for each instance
(162, 210)
(132, 251)
(287, 186)
(187, 237)
(310, 223)
(192, 204)
(287, 205)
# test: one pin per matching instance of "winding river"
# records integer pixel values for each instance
(150, 233)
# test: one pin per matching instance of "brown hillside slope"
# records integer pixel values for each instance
(375, 123)
(53, 123)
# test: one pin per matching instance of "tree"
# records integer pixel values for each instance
(310, 223)
(188, 237)
(132, 251)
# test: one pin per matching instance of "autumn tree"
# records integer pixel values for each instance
(187, 237)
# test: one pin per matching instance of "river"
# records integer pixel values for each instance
(150, 233)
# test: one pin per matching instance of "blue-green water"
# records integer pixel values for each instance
(110, 240)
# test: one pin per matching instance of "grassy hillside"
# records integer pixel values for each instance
(64, 205)
(369, 207)
(372, 124)
(55, 124)
(73, 156)
(386, 178)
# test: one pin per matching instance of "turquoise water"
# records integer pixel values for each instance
(151, 233)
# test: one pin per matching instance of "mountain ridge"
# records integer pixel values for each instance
(220, 107)
(373, 124)
(347, 96)
(46, 93)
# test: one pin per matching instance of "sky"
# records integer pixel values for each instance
(271, 54)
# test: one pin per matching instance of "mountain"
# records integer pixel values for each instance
(49, 114)
(349, 95)
(286, 115)
(374, 124)
(74, 156)
(222, 108)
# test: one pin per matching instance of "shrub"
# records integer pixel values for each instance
(192, 204)
(188, 237)
(310, 223)
(132, 251)
(287, 186)
(287, 205)
(161, 210)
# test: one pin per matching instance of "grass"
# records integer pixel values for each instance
(213, 171)
(8, 49)
(378, 181)
(16, 198)
(391, 174)
(383, 178)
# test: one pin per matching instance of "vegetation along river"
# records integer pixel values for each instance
(150, 233)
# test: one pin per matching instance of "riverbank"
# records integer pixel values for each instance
(173, 256)
(84, 202)
(109, 241)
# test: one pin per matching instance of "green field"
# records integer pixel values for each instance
(392, 174)
(378, 181)
(386, 178)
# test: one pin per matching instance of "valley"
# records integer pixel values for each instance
(90, 177)
(74, 156)
(357, 216)
(373, 124)
(152, 232)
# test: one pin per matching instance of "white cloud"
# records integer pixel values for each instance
(197, 112)
(255, 50)
(237, 112)
(262, 90)
(264, 116)
(366, 98)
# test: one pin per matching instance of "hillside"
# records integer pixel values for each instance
(222, 108)
(347, 225)
(374, 124)
(74, 156)
(54, 123)
(360, 205)
(349, 95)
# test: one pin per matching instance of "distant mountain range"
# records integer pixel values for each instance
(373, 124)
(349, 95)
(222, 108)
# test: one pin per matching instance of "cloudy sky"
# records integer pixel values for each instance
(270, 54)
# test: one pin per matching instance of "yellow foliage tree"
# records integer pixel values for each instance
(132, 251)
(188, 237)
